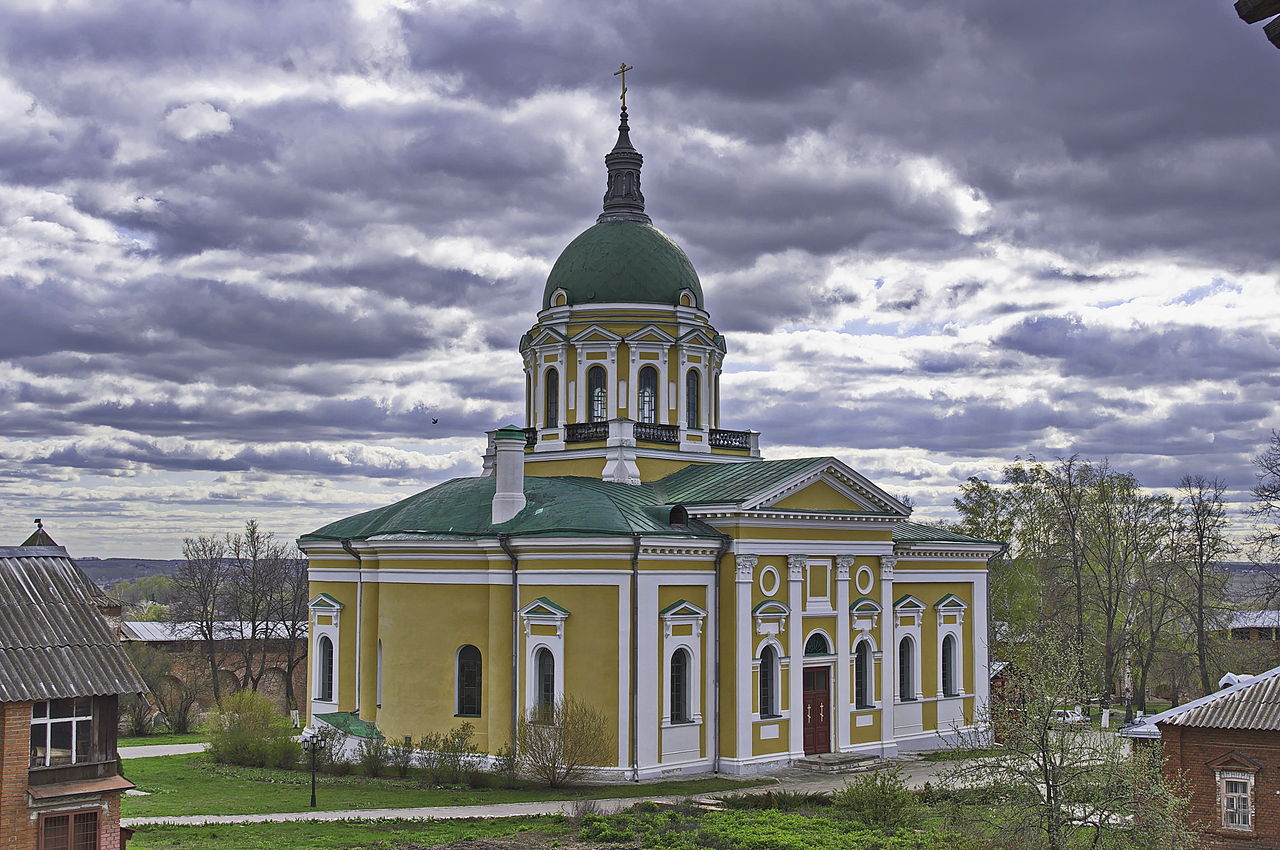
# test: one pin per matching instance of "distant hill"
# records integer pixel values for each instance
(107, 571)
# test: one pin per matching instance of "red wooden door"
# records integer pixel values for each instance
(817, 711)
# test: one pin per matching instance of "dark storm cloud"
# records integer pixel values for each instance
(247, 223)
(1152, 355)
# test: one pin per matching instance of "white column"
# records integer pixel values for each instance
(888, 656)
(648, 686)
(844, 564)
(743, 576)
(981, 650)
(795, 650)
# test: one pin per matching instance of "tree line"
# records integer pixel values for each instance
(1136, 576)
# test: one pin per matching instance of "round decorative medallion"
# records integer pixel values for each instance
(769, 581)
(865, 579)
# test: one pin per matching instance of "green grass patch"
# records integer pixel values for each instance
(164, 738)
(341, 834)
(193, 785)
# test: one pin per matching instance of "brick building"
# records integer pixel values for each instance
(61, 672)
(1227, 746)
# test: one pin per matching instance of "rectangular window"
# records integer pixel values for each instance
(61, 732)
(78, 831)
(1236, 789)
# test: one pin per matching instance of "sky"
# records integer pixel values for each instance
(249, 251)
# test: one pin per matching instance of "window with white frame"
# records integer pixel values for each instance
(324, 669)
(62, 732)
(469, 681)
(692, 399)
(769, 678)
(551, 399)
(1235, 791)
(906, 669)
(544, 664)
(949, 688)
(682, 624)
(647, 398)
(597, 395)
(680, 686)
(862, 675)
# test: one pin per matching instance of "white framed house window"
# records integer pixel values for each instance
(864, 678)
(1235, 794)
(326, 614)
(682, 624)
(950, 610)
(769, 678)
(544, 623)
(62, 732)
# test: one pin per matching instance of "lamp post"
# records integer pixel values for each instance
(312, 743)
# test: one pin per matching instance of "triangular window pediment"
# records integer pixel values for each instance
(544, 607)
(698, 337)
(597, 334)
(324, 602)
(548, 336)
(908, 603)
(950, 602)
(651, 333)
(682, 609)
(1234, 761)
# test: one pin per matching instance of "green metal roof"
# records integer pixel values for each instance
(350, 722)
(623, 261)
(914, 532)
(557, 506)
(731, 483)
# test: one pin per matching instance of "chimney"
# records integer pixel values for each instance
(508, 492)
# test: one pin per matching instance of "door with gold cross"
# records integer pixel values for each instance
(817, 710)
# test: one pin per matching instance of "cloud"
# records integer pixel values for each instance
(197, 119)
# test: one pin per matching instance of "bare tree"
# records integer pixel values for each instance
(199, 587)
(1201, 545)
(1057, 785)
(256, 567)
(287, 615)
(562, 745)
(1266, 501)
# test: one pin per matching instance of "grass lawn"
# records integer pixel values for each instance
(163, 738)
(332, 836)
(193, 785)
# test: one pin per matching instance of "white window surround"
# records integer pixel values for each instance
(682, 613)
(325, 605)
(73, 720)
(770, 618)
(540, 395)
(1235, 806)
(542, 612)
(907, 606)
(864, 615)
(780, 662)
(874, 655)
(819, 602)
(818, 659)
(953, 607)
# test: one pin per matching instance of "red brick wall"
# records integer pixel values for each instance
(1189, 750)
(17, 832)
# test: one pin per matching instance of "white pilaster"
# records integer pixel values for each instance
(844, 564)
(981, 650)
(743, 576)
(888, 745)
(795, 650)
(648, 686)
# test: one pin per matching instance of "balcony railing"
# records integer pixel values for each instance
(730, 439)
(653, 433)
(586, 432)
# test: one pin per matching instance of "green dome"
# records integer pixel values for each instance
(623, 261)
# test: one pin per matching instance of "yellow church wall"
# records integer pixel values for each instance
(344, 592)
(369, 650)
(587, 467)
(727, 624)
(669, 595)
(750, 532)
(590, 643)
(865, 734)
(652, 468)
(422, 626)
(769, 746)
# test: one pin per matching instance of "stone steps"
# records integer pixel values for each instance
(841, 762)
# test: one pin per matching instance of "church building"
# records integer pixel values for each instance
(724, 611)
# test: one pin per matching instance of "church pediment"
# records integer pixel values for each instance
(543, 607)
(697, 336)
(651, 334)
(596, 334)
(324, 602)
(834, 487)
(547, 336)
(681, 608)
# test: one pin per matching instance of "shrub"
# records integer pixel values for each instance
(563, 744)
(880, 798)
(137, 714)
(400, 756)
(331, 758)
(371, 755)
(783, 801)
(247, 730)
(506, 767)
(448, 758)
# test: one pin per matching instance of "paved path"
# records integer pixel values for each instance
(916, 772)
(160, 750)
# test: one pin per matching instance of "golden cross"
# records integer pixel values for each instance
(623, 69)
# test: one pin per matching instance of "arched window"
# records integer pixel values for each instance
(379, 672)
(680, 664)
(768, 682)
(551, 399)
(692, 399)
(862, 675)
(545, 696)
(949, 688)
(597, 398)
(324, 677)
(469, 672)
(648, 395)
(817, 645)
(906, 671)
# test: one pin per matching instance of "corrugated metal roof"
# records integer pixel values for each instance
(1255, 619)
(1252, 704)
(54, 640)
(914, 532)
(146, 631)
